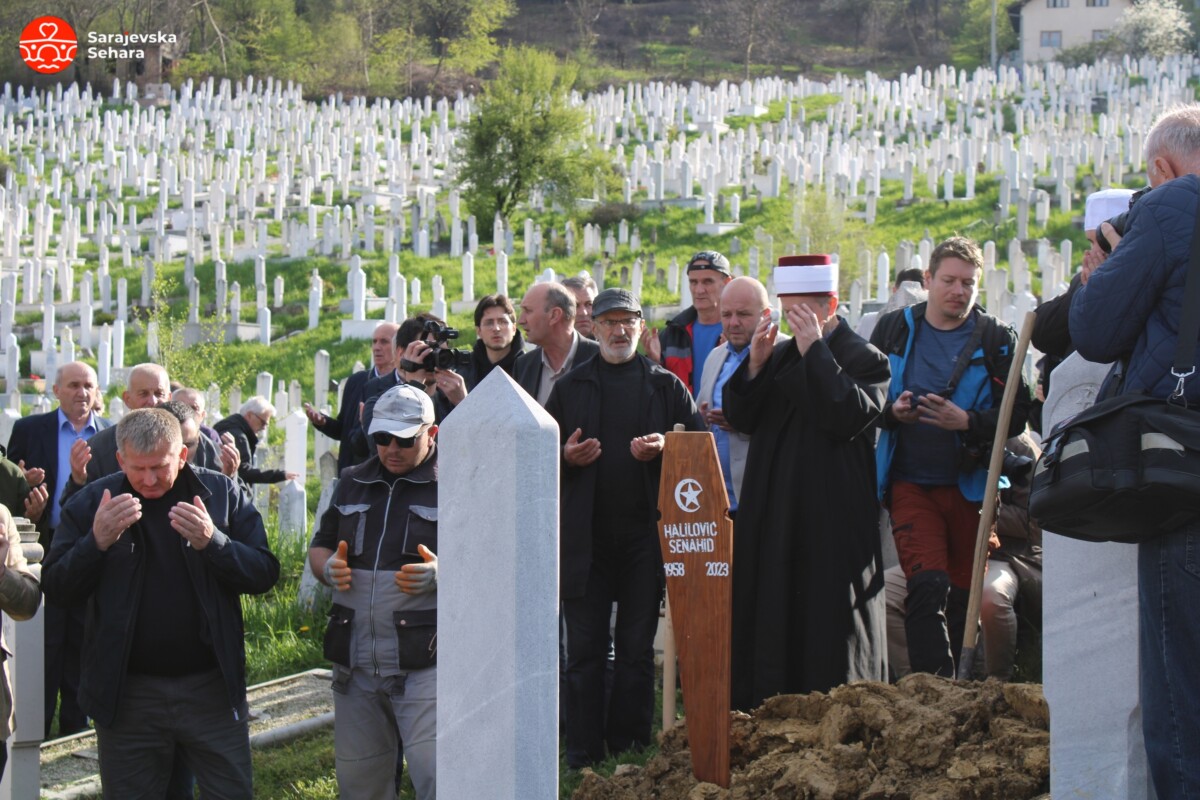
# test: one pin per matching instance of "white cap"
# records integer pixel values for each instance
(1104, 205)
(807, 274)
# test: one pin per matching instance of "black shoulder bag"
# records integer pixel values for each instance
(1128, 468)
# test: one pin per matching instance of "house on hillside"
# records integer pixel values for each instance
(1044, 27)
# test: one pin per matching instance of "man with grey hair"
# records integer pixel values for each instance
(613, 413)
(548, 318)
(246, 427)
(162, 553)
(584, 289)
(195, 399)
(1129, 311)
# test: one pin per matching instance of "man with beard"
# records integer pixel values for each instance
(613, 412)
(808, 602)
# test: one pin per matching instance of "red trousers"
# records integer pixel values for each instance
(934, 528)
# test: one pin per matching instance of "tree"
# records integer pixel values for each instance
(462, 30)
(586, 14)
(526, 133)
(1155, 28)
(752, 28)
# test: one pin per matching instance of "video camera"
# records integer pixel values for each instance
(443, 357)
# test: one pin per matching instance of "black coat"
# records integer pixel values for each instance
(575, 403)
(808, 602)
(246, 442)
(345, 423)
(237, 561)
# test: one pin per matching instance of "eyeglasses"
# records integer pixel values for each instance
(384, 439)
(502, 322)
(612, 324)
(264, 420)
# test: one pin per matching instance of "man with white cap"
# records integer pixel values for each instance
(1051, 334)
(808, 610)
(950, 361)
(612, 413)
(376, 546)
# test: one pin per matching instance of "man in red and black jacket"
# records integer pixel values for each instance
(688, 338)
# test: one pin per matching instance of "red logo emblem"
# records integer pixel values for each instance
(48, 44)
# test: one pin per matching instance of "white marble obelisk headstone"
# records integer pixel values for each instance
(498, 606)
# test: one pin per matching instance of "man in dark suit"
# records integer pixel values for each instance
(56, 444)
(342, 427)
(548, 318)
(147, 386)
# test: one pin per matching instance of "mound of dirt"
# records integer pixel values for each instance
(923, 738)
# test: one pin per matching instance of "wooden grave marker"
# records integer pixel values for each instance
(696, 535)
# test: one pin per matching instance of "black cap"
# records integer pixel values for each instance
(615, 300)
(716, 262)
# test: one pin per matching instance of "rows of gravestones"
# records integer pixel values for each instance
(223, 163)
(233, 173)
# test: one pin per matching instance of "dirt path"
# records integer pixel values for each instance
(924, 738)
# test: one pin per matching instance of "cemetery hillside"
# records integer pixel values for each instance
(245, 203)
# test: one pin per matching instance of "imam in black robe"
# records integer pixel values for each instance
(808, 600)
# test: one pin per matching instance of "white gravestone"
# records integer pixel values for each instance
(498, 606)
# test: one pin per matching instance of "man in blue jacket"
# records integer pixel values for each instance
(162, 553)
(949, 362)
(1129, 311)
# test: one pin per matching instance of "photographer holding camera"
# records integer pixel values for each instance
(1129, 310)
(432, 362)
(426, 360)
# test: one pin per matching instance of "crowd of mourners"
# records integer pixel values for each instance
(833, 442)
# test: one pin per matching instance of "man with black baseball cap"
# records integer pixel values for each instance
(684, 344)
(613, 412)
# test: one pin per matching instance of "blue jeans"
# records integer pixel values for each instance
(1169, 590)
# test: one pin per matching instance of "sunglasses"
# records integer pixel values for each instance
(385, 440)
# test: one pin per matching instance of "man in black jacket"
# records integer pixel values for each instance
(245, 426)
(342, 427)
(162, 552)
(548, 317)
(808, 610)
(498, 341)
(613, 412)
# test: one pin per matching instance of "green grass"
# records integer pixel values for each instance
(281, 637)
